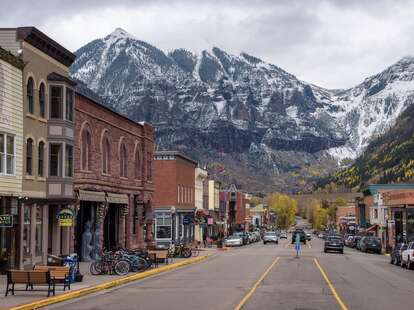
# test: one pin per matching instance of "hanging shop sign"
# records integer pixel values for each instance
(65, 218)
(210, 221)
(187, 220)
(6, 220)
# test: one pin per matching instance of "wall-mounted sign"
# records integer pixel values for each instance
(65, 218)
(210, 221)
(187, 220)
(6, 220)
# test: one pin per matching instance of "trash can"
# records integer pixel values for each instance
(53, 260)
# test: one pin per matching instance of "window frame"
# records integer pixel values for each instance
(41, 159)
(69, 103)
(42, 100)
(30, 95)
(62, 100)
(69, 161)
(4, 155)
(29, 159)
(138, 164)
(123, 161)
(59, 159)
(85, 150)
(106, 155)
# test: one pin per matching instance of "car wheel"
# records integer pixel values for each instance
(402, 263)
(264, 242)
(341, 251)
(325, 250)
(409, 264)
(392, 260)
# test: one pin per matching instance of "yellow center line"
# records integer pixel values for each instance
(333, 290)
(256, 285)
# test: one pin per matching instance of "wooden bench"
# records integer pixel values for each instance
(60, 274)
(159, 255)
(30, 279)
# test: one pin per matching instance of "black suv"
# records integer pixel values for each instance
(334, 243)
(301, 234)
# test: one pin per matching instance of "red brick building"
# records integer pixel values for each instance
(174, 198)
(113, 178)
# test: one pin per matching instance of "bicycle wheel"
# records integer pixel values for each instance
(121, 268)
(186, 252)
(96, 268)
(139, 264)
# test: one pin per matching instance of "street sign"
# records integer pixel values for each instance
(65, 218)
(186, 220)
(6, 220)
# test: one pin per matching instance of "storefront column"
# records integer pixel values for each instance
(72, 235)
(123, 212)
(55, 232)
(32, 233)
(129, 217)
(65, 240)
(45, 232)
(21, 225)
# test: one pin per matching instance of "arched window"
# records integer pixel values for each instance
(106, 156)
(42, 100)
(138, 164)
(86, 150)
(29, 156)
(30, 96)
(149, 166)
(41, 161)
(123, 161)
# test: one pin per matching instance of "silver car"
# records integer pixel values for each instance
(233, 240)
(270, 236)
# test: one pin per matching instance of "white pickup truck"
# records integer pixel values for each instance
(407, 256)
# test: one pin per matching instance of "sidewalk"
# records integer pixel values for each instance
(23, 297)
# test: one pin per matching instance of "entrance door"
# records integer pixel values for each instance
(111, 228)
(86, 213)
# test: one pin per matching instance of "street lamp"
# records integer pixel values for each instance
(172, 210)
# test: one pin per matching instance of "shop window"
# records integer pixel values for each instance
(56, 102)
(106, 156)
(163, 226)
(7, 154)
(69, 161)
(54, 159)
(123, 164)
(138, 167)
(29, 156)
(42, 100)
(26, 230)
(85, 150)
(41, 154)
(69, 105)
(39, 228)
(30, 96)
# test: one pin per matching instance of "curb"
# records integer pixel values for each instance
(107, 285)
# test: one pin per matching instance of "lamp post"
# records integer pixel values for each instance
(172, 210)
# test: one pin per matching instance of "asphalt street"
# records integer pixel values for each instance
(267, 277)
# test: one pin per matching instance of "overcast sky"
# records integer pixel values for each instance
(333, 44)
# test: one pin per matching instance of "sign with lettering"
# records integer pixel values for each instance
(6, 220)
(65, 218)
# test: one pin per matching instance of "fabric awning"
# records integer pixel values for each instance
(373, 227)
(91, 196)
(117, 198)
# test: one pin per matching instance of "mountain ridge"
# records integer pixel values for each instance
(250, 112)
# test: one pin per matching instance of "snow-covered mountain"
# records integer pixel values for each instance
(237, 110)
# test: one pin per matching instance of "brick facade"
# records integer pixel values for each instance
(101, 124)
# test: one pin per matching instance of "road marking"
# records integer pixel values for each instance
(334, 292)
(255, 286)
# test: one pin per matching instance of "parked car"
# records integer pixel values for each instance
(244, 235)
(283, 235)
(370, 244)
(270, 236)
(350, 241)
(396, 252)
(233, 240)
(407, 256)
(321, 235)
(301, 234)
(333, 243)
(308, 237)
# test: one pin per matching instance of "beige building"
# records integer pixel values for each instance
(11, 156)
(48, 116)
(201, 176)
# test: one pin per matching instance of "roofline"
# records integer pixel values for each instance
(11, 59)
(178, 154)
(112, 111)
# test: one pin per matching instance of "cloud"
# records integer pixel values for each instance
(334, 44)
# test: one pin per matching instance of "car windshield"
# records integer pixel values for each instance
(270, 234)
(234, 237)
